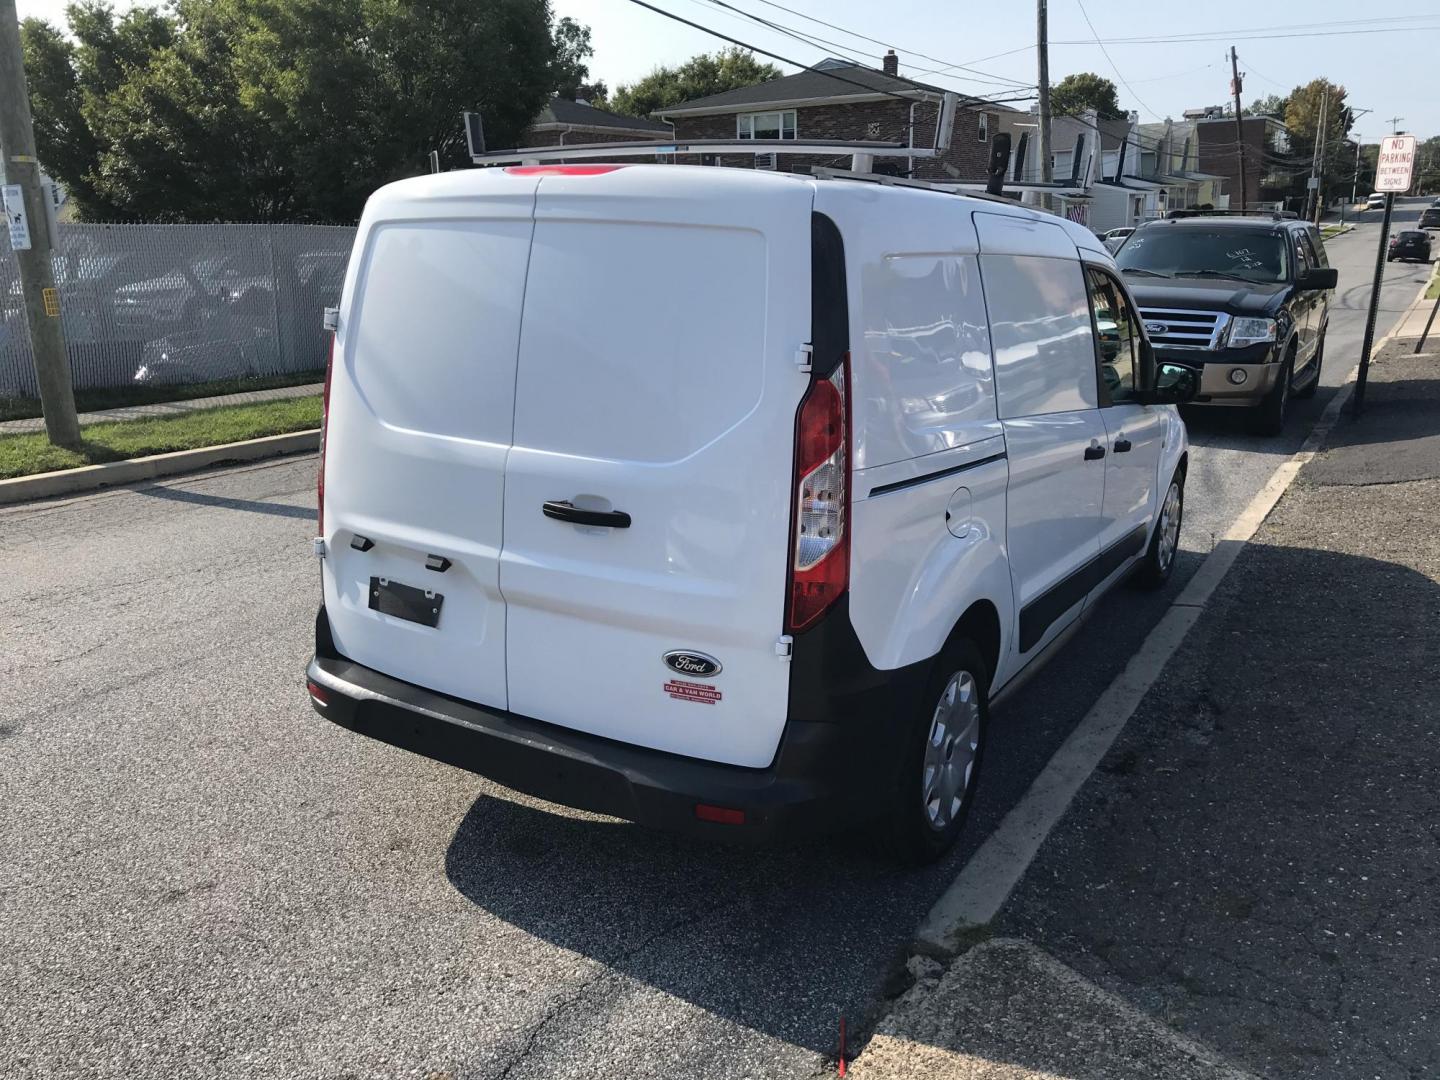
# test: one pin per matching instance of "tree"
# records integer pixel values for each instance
(1073, 94)
(700, 76)
(1269, 105)
(278, 109)
(570, 72)
(1303, 109)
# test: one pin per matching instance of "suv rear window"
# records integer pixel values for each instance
(1242, 254)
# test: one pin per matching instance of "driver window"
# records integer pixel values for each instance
(1304, 260)
(1117, 338)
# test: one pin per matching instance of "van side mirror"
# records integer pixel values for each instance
(1321, 277)
(1175, 384)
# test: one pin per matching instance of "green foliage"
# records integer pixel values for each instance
(281, 110)
(1269, 105)
(1302, 115)
(570, 72)
(700, 76)
(1073, 94)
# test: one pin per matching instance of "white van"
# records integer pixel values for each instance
(725, 500)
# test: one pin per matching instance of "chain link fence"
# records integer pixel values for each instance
(175, 304)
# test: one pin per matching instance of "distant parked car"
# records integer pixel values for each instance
(1375, 201)
(1430, 217)
(1410, 244)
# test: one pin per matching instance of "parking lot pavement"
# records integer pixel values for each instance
(1257, 860)
(202, 878)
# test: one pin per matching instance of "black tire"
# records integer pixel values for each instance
(1317, 365)
(920, 827)
(1154, 570)
(1269, 418)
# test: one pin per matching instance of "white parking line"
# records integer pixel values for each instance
(975, 897)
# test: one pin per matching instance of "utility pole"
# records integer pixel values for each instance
(1317, 159)
(1042, 51)
(37, 278)
(1239, 121)
(1395, 124)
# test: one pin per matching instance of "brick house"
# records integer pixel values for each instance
(563, 122)
(1266, 149)
(826, 103)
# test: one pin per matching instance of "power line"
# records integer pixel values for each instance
(828, 72)
(816, 41)
(945, 64)
(1213, 36)
(1113, 65)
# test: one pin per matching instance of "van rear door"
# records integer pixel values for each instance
(422, 399)
(657, 379)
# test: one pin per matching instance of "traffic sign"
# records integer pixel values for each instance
(1396, 164)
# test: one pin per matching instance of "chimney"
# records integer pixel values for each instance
(892, 63)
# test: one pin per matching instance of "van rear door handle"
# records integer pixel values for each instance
(1094, 453)
(1122, 446)
(568, 511)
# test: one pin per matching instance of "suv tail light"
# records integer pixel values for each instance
(820, 561)
(324, 429)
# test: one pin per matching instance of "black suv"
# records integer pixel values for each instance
(1244, 299)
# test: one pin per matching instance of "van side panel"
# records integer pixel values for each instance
(927, 438)
(421, 401)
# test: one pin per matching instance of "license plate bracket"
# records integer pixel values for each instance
(405, 601)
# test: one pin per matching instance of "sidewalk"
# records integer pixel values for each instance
(1252, 874)
(168, 408)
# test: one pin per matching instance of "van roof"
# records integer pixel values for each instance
(708, 181)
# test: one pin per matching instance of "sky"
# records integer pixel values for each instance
(1385, 61)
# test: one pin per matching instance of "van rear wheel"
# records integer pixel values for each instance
(945, 746)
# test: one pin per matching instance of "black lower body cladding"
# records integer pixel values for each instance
(839, 746)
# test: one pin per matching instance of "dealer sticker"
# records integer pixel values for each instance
(689, 691)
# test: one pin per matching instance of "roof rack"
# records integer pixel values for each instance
(861, 153)
(903, 181)
(1273, 215)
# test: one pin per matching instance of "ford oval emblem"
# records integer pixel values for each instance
(1156, 328)
(695, 664)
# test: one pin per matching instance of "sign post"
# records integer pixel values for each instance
(1394, 169)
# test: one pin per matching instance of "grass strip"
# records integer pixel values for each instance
(25, 455)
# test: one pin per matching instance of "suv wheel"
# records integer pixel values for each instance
(946, 743)
(1269, 416)
(1155, 568)
(1317, 364)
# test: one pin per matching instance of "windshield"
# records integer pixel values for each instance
(1196, 252)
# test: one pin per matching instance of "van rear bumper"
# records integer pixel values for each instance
(810, 786)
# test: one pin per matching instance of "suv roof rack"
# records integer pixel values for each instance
(1273, 215)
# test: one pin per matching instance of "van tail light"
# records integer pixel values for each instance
(324, 429)
(820, 562)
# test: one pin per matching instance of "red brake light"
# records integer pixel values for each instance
(820, 560)
(324, 427)
(318, 693)
(721, 815)
(560, 170)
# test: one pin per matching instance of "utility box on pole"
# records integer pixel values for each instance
(30, 222)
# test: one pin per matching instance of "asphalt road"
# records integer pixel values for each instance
(202, 878)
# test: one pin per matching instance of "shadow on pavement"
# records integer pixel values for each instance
(252, 506)
(1257, 859)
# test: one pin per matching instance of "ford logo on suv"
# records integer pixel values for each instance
(695, 664)
(1156, 328)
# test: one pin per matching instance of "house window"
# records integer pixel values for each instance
(984, 127)
(766, 125)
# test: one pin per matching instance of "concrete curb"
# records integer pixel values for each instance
(93, 477)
